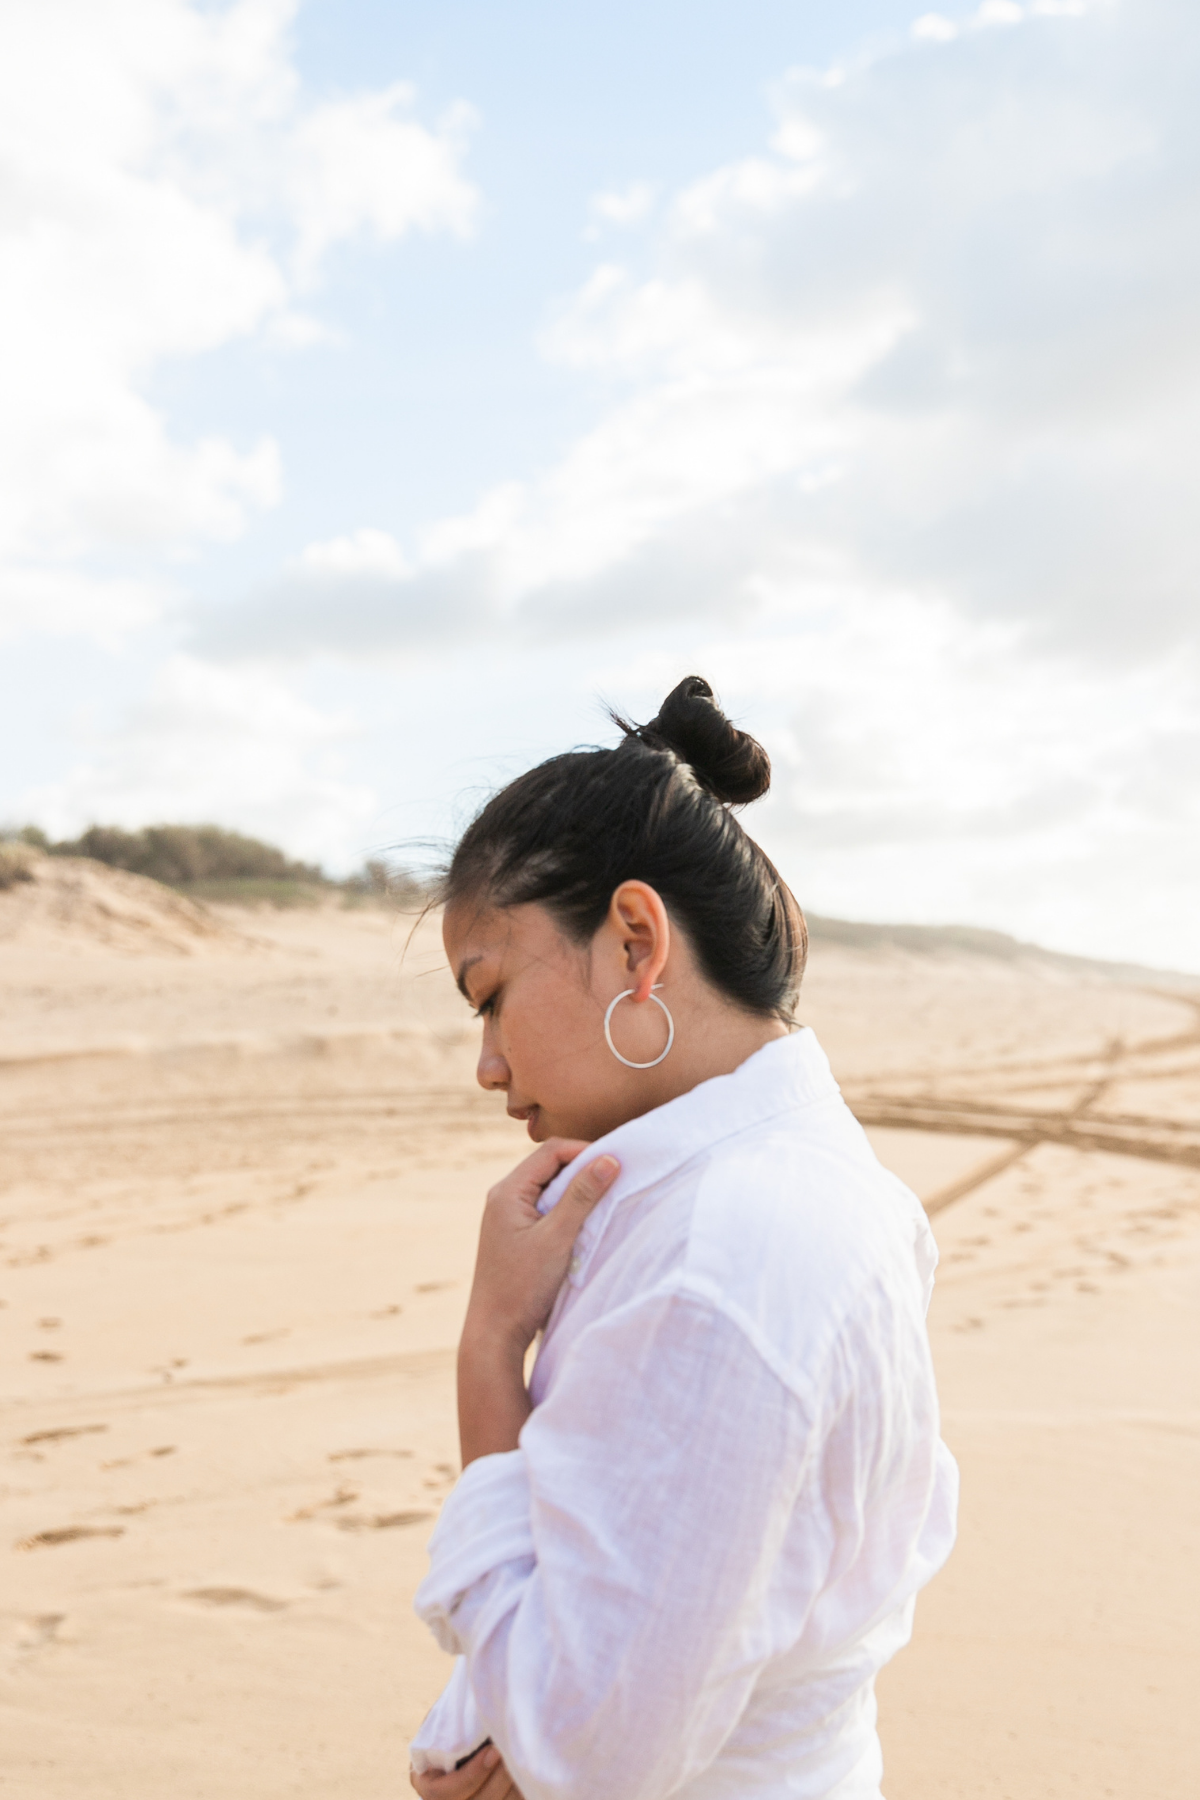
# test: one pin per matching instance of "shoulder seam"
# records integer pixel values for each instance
(695, 1287)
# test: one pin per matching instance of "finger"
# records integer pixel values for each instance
(589, 1186)
(530, 1178)
(498, 1787)
(432, 1786)
(458, 1784)
(543, 1165)
(489, 1778)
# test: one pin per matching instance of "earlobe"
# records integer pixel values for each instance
(645, 970)
(646, 935)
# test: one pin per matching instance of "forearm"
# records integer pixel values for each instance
(493, 1401)
(522, 1260)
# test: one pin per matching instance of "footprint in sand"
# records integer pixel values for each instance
(433, 1287)
(67, 1534)
(345, 1496)
(63, 1431)
(357, 1455)
(167, 1369)
(341, 1497)
(444, 1475)
(236, 1596)
(127, 1462)
(39, 1630)
(380, 1521)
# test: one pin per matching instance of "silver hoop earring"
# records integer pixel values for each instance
(613, 1004)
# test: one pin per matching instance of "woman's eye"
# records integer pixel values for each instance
(486, 1007)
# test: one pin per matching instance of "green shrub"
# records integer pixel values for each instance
(181, 856)
(378, 880)
(212, 864)
(14, 864)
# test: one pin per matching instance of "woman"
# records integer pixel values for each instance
(677, 1559)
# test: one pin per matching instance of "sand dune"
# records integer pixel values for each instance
(69, 904)
(242, 1160)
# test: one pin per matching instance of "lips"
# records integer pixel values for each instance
(528, 1115)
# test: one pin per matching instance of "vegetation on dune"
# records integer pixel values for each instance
(378, 880)
(14, 864)
(210, 863)
(182, 855)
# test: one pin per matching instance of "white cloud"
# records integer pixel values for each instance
(361, 164)
(944, 340)
(166, 184)
(999, 12)
(621, 206)
(238, 746)
(903, 416)
(936, 27)
(65, 601)
(366, 552)
(926, 767)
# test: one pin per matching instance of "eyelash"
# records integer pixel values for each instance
(487, 1007)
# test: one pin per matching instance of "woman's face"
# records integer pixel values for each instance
(542, 1000)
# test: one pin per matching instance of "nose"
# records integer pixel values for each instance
(492, 1070)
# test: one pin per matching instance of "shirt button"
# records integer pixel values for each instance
(573, 1265)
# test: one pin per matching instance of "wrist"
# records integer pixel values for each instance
(497, 1339)
(493, 1401)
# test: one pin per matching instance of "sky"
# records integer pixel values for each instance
(388, 388)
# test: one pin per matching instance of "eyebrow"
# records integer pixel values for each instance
(467, 963)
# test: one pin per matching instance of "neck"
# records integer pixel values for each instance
(709, 1041)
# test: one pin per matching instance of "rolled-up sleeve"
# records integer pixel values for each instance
(606, 1582)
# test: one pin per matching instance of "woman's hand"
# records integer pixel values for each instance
(485, 1775)
(522, 1260)
(523, 1256)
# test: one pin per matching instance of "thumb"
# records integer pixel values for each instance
(591, 1184)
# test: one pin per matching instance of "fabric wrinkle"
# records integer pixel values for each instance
(686, 1578)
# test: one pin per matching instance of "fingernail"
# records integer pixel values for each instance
(491, 1757)
(606, 1167)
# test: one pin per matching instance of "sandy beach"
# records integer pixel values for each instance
(242, 1158)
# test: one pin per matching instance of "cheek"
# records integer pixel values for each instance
(552, 1028)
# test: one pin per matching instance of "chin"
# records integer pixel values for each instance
(540, 1127)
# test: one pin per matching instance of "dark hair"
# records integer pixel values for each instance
(656, 809)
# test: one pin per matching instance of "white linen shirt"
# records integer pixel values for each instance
(731, 1487)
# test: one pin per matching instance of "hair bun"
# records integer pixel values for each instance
(729, 763)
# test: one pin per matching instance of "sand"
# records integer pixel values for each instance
(242, 1162)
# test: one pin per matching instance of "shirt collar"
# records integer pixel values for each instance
(786, 1073)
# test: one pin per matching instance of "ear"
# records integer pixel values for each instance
(637, 914)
